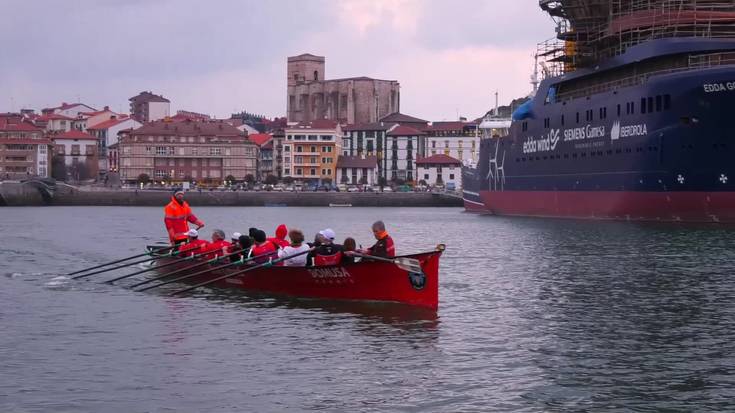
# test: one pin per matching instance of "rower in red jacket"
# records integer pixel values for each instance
(218, 247)
(194, 246)
(264, 247)
(280, 238)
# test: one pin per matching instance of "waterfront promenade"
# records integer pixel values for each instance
(18, 194)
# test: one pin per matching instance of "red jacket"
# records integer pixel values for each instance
(265, 248)
(383, 248)
(177, 218)
(217, 249)
(280, 238)
(193, 247)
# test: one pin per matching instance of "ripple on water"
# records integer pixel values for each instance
(536, 315)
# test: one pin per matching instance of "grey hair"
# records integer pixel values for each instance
(218, 233)
(379, 225)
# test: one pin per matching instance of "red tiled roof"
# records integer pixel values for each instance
(146, 96)
(14, 123)
(447, 126)
(108, 123)
(25, 141)
(187, 128)
(438, 159)
(73, 134)
(398, 117)
(260, 138)
(357, 162)
(368, 126)
(53, 116)
(401, 130)
(65, 106)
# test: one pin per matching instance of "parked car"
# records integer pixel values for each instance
(353, 189)
(298, 187)
(289, 188)
(342, 187)
(279, 188)
(387, 189)
(451, 186)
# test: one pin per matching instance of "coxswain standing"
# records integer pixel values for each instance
(177, 217)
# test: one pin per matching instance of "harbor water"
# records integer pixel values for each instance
(535, 315)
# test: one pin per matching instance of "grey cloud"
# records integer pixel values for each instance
(507, 24)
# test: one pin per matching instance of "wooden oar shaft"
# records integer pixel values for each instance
(116, 261)
(180, 270)
(121, 266)
(184, 277)
(269, 263)
(154, 268)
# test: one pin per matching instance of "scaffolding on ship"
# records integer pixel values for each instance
(590, 31)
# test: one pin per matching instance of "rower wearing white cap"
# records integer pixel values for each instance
(177, 217)
(327, 253)
(194, 245)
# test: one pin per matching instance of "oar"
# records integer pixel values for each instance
(170, 254)
(189, 258)
(184, 277)
(404, 263)
(180, 270)
(117, 261)
(266, 264)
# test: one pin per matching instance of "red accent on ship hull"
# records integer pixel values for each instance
(615, 205)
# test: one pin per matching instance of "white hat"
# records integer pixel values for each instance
(236, 235)
(193, 233)
(179, 192)
(328, 234)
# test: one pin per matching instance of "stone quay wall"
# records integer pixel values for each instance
(67, 196)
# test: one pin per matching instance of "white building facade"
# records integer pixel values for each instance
(440, 170)
(354, 170)
(402, 148)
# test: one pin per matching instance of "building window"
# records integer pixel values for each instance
(312, 171)
(215, 151)
(287, 171)
(451, 176)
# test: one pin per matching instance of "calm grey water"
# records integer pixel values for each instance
(535, 315)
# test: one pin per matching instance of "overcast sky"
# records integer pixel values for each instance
(217, 57)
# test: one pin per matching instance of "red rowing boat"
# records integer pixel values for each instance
(366, 280)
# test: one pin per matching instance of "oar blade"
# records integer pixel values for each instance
(409, 264)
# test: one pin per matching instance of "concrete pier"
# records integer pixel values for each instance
(26, 195)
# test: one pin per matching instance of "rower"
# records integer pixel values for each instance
(194, 245)
(385, 246)
(263, 247)
(327, 253)
(177, 217)
(218, 247)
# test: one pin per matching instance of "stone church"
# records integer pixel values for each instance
(354, 100)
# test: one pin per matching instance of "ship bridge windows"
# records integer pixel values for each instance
(589, 115)
(603, 113)
(547, 123)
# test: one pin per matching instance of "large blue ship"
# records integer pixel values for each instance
(634, 118)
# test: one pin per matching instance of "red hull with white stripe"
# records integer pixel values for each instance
(612, 205)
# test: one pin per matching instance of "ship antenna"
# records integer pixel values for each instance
(534, 77)
(496, 103)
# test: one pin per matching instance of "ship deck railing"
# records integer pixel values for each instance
(696, 62)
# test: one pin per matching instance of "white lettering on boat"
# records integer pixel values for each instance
(333, 272)
(546, 144)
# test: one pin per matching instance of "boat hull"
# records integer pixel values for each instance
(365, 281)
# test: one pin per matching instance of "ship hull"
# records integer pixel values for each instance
(611, 205)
